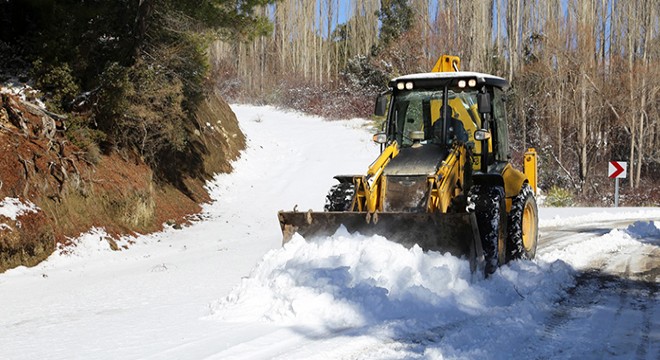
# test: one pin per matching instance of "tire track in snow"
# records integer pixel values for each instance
(612, 307)
(604, 309)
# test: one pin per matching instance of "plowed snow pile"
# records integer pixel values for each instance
(631, 252)
(350, 281)
(645, 231)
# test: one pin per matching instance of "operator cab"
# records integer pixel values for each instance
(447, 107)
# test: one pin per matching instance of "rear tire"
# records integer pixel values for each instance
(489, 206)
(340, 197)
(523, 226)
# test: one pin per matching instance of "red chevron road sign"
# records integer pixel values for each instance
(617, 169)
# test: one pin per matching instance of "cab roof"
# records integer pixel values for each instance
(431, 76)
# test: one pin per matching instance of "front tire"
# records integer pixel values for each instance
(523, 234)
(340, 197)
(489, 206)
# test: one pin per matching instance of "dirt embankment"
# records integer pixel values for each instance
(38, 163)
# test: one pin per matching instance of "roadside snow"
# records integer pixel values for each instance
(587, 254)
(12, 208)
(645, 231)
(24, 91)
(572, 216)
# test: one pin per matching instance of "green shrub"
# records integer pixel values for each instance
(81, 133)
(559, 197)
(141, 108)
(112, 95)
(57, 82)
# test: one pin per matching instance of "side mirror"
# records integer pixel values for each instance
(381, 105)
(481, 135)
(380, 138)
(483, 103)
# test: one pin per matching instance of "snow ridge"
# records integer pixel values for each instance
(351, 281)
(648, 231)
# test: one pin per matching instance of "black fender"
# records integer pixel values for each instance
(346, 178)
(488, 179)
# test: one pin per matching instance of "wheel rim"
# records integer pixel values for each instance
(528, 230)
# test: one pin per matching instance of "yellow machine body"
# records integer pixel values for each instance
(439, 220)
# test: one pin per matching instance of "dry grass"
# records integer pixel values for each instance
(26, 241)
(222, 137)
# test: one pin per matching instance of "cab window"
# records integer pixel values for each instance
(502, 133)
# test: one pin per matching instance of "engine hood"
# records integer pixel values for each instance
(421, 160)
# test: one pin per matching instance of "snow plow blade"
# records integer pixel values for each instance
(454, 233)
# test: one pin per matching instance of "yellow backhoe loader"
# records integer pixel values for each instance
(443, 179)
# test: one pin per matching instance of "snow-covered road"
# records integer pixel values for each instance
(612, 310)
(224, 288)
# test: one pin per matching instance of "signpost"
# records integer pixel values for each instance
(616, 170)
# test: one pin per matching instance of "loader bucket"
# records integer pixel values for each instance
(454, 233)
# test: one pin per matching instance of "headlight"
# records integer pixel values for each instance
(481, 135)
(380, 138)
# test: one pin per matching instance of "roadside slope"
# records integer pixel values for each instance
(77, 188)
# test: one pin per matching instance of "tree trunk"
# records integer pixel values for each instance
(583, 127)
(140, 27)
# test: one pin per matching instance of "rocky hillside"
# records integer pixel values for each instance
(75, 190)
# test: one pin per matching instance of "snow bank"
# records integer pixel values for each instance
(569, 216)
(649, 231)
(92, 243)
(350, 281)
(581, 254)
(24, 91)
(629, 252)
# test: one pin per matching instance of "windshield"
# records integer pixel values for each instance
(422, 110)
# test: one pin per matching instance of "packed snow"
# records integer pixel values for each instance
(225, 288)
